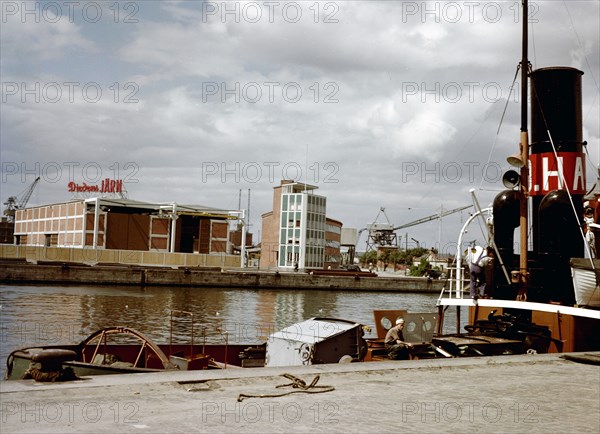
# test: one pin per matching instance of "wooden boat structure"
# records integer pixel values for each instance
(124, 350)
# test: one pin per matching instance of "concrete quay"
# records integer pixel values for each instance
(509, 394)
(120, 274)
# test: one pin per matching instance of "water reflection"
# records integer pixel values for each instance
(43, 315)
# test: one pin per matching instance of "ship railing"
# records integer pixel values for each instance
(456, 286)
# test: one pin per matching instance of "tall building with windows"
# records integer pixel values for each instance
(294, 233)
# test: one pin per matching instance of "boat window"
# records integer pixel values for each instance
(386, 323)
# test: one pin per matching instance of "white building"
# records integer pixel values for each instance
(294, 232)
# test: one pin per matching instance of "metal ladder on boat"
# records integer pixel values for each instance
(456, 288)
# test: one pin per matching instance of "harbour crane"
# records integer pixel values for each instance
(14, 203)
(432, 217)
(383, 234)
(380, 234)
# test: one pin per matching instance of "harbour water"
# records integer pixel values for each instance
(49, 315)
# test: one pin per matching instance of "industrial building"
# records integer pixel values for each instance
(125, 224)
(297, 233)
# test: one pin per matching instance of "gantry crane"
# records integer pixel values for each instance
(14, 203)
(383, 234)
(380, 234)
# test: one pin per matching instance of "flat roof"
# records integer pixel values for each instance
(181, 209)
(298, 186)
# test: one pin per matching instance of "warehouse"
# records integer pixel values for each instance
(125, 224)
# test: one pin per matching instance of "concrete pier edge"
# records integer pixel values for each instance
(534, 393)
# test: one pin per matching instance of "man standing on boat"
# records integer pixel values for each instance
(487, 270)
(395, 346)
(477, 282)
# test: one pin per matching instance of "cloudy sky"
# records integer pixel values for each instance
(392, 104)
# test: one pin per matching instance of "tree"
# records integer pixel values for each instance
(392, 256)
(369, 257)
(420, 269)
(396, 257)
(385, 257)
(406, 257)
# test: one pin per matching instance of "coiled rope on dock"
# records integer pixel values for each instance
(296, 383)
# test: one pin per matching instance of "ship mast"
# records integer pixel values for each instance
(524, 148)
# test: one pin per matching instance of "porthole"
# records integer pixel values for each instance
(386, 323)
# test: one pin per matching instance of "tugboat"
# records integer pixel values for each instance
(536, 297)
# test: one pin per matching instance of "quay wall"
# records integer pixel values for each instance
(66, 273)
(48, 265)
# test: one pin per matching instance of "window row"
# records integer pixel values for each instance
(291, 202)
(334, 229)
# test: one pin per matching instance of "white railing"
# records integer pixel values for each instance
(457, 284)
